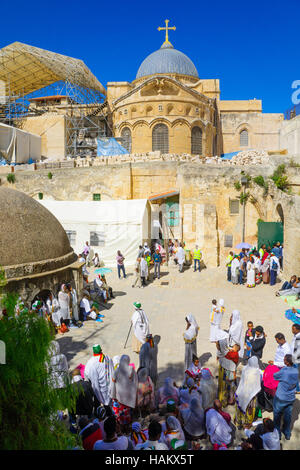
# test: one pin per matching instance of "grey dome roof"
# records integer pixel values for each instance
(167, 60)
(31, 235)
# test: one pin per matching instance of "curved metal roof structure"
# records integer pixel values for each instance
(167, 60)
(25, 69)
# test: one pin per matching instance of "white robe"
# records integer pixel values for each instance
(215, 322)
(100, 376)
(180, 255)
(250, 274)
(63, 300)
(140, 325)
(144, 268)
(250, 384)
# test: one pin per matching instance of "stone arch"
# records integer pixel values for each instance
(126, 136)
(141, 122)
(196, 140)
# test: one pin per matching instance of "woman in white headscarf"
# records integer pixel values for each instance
(207, 389)
(236, 332)
(190, 337)
(64, 304)
(124, 392)
(245, 395)
(228, 360)
(193, 420)
(218, 430)
(57, 366)
(217, 312)
(125, 379)
(167, 392)
(173, 431)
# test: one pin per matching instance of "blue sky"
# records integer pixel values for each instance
(252, 47)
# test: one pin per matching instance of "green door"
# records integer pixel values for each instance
(269, 233)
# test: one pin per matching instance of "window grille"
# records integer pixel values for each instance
(234, 206)
(97, 238)
(244, 138)
(126, 139)
(160, 138)
(228, 241)
(196, 141)
(160, 108)
(71, 236)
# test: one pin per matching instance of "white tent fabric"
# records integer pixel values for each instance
(17, 146)
(108, 226)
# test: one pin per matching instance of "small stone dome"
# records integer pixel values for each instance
(32, 240)
(167, 60)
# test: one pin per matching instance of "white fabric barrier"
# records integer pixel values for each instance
(116, 224)
(18, 146)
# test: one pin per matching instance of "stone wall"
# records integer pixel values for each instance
(205, 194)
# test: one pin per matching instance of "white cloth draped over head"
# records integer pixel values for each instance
(250, 384)
(64, 304)
(126, 383)
(224, 349)
(193, 329)
(271, 440)
(236, 332)
(168, 392)
(100, 375)
(140, 324)
(193, 418)
(208, 389)
(187, 394)
(217, 428)
(142, 375)
(174, 426)
(57, 366)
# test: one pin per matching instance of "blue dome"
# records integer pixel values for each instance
(167, 60)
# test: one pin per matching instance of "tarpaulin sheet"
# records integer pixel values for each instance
(109, 146)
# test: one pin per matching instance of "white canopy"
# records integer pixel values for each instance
(17, 146)
(108, 226)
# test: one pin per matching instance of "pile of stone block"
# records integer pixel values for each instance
(250, 157)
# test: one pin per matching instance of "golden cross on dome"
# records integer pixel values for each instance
(167, 29)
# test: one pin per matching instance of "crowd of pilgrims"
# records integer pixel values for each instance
(254, 267)
(121, 407)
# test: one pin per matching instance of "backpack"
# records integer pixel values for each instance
(274, 266)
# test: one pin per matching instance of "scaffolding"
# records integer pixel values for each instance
(28, 73)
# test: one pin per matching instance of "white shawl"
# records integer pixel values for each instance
(250, 384)
(236, 332)
(208, 389)
(100, 376)
(217, 428)
(193, 329)
(126, 383)
(223, 361)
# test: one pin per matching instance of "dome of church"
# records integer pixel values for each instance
(31, 237)
(167, 60)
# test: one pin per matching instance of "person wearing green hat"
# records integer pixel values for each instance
(99, 370)
(140, 325)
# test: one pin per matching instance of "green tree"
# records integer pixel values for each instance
(28, 402)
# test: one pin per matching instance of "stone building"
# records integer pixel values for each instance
(34, 249)
(168, 107)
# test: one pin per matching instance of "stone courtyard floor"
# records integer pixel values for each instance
(166, 302)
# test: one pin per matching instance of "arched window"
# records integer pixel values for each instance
(244, 138)
(126, 139)
(196, 141)
(160, 138)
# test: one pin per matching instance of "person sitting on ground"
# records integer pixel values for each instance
(167, 391)
(194, 371)
(87, 311)
(90, 433)
(268, 433)
(186, 394)
(207, 388)
(112, 441)
(288, 284)
(173, 430)
(294, 290)
(217, 427)
(106, 287)
(138, 435)
(218, 407)
(254, 442)
(153, 443)
(98, 288)
(193, 419)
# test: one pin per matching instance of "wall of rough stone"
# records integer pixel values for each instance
(205, 194)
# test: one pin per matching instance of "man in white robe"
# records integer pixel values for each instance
(99, 371)
(141, 328)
